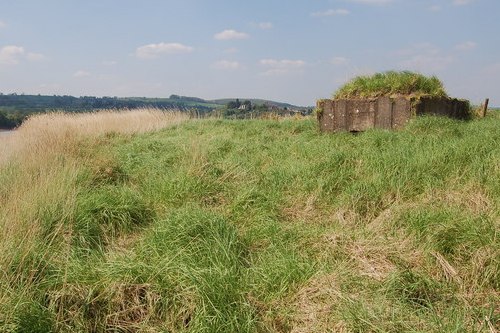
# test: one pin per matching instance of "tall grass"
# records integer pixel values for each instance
(391, 83)
(43, 165)
(260, 226)
(56, 132)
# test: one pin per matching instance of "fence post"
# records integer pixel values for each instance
(485, 107)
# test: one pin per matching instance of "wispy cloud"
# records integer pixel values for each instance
(339, 61)
(331, 12)
(230, 34)
(81, 73)
(266, 25)
(466, 46)
(373, 2)
(31, 56)
(462, 2)
(423, 57)
(283, 66)
(2, 24)
(226, 65)
(492, 69)
(425, 62)
(435, 8)
(13, 55)
(152, 51)
(109, 62)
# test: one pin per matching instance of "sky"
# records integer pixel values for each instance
(294, 51)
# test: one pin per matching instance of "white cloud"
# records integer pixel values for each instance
(81, 73)
(331, 12)
(492, 69)
(284, 66)
(466, 46)
(435, 8)
(339, 61)
(266, 25)
(373, 2)
(282, 63)
(423, 57)
(230, 34)
(462, 2)
(13, 55)
(226, 64)
(152, 51)
(417, 48)
(35, 56)
(109, 62)
(425, 62)
(2, 24)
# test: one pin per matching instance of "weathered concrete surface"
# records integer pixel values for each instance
(356, 115)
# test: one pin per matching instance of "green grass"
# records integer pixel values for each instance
(267, 226)
(391, 83)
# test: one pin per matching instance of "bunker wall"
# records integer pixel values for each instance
(356, 115)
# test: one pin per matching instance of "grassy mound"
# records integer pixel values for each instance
(391, 83)
(256, 226)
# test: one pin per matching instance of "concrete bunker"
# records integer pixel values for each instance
(361, 114)
(387, 100)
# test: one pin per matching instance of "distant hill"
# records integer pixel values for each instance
(256, 101)
(41, 103)
(15, 108)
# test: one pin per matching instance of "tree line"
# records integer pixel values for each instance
(14, 108)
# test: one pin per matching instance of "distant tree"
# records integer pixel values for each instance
(262, 107)
(233, 104)
(6, 123)
(248, 104)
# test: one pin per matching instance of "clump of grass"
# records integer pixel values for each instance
(391, 83)
(105, 213)
(32, 317)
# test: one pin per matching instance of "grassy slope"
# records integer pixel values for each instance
(267, 226)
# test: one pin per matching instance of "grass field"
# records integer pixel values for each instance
(253, 226)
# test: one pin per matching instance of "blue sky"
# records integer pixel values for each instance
(293, 51)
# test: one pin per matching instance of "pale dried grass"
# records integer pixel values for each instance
(56, 132)
(470, 197)
(302, 209)
(315, 304)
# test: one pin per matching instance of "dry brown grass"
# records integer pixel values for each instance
(41, 135)
(314, 304)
